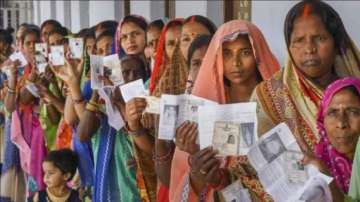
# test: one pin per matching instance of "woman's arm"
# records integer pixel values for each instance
(10, 96)
(89, 122)
(133, 110)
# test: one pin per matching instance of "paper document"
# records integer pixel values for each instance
(276, 158)
(229, 128)
(175, 110)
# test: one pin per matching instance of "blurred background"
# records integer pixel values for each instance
(267, 15)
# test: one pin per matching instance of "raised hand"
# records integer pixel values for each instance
(185, 138)
(134, 111)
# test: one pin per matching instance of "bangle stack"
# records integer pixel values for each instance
(164, 158)
(90, 106)
(11, 90)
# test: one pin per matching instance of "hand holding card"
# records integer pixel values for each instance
(133, 89)
(17, 55)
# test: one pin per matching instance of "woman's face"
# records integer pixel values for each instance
(342, 121)
(239, 60)
(56, 39)
(152, 36)
(19, 34)
(172, 36)
(195, 61)
(90, 45)
(189, 32)
(46, 30)
(103, 46)
(132, 38)
(29, 43)
(312, 47)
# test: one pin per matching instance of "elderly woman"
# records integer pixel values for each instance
(339, 127)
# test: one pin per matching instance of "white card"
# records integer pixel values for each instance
(41, 48)
(32, 89)
(76, 46)
(236, 193)
(57, 55)
(115, 119)
(152, 105)
(112, 69)
(40, 62)
(133, 89)
(96, 68)
(17, 55)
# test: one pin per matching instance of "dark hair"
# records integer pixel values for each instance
(82, 32)
(64, 159)
(52, 22)
(204, 21)
(353, 90)
(140, 62)
(107, 24)
(199, 42)
(158, 24)
(31, 29)
(137, 20)
(89, 33)
(106, 33)
(6, 36)
(328, 16)
(59, 30)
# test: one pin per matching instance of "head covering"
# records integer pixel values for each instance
(160, 60)
(306, 94)
(339, 165)
(142, 23)
(211, 72)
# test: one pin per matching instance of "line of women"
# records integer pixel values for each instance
(316, 92)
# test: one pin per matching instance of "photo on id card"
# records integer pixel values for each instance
(296, 172)
(76, 46)
(152, 105)
(41, 48)
(226, 138)
(40, 62)
(112, 69)
(57, 55)
(235, 192)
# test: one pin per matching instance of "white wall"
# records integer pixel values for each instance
(185, 9)
(45, 8)
(75, 16)
(269, 16)
(106, 8)
(141, 8)
(60, 15)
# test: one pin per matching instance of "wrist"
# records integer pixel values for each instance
(135, 131)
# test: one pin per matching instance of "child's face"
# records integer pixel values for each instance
(53, 177)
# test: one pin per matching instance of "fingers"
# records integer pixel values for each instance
(209, 164)
(202, 156)
(213, 172)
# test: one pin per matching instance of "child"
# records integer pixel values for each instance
(59, 168)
